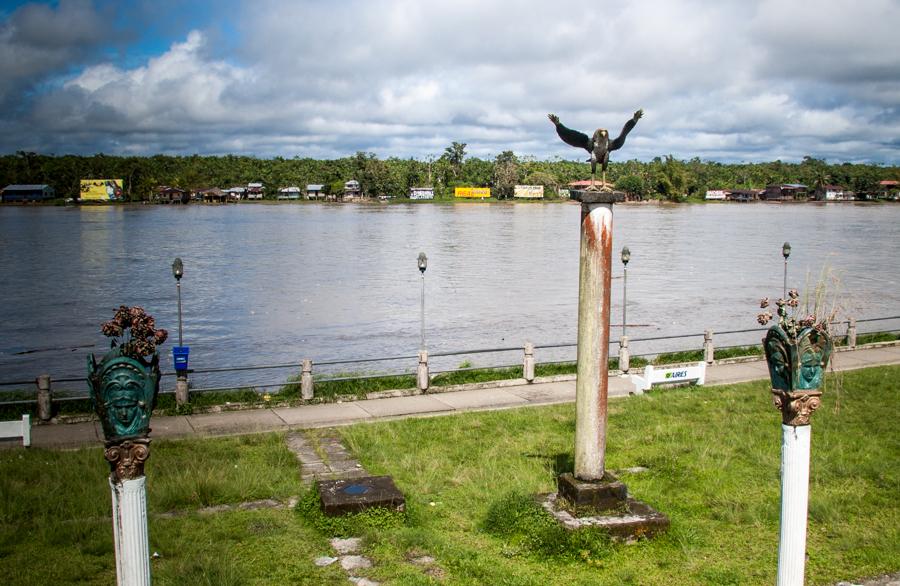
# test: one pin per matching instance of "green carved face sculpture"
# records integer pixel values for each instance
(123, 392)
(796, 365)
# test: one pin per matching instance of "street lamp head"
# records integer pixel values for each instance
(786, 250)
(423, 262)
(626, 256)
(178, 269)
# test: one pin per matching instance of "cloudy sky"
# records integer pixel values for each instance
(724, 80)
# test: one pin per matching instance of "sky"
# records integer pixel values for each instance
(725, 80)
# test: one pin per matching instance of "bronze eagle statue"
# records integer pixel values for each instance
(599, 146)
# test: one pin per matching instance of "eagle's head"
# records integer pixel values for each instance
(601, 137)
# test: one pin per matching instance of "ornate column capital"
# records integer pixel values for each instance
(126, 459)
(796, 406)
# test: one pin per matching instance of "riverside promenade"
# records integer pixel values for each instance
(507, 394)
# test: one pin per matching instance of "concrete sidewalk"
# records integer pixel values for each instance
(501, 396)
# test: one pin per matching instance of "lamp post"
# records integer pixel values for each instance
(423, 264)
(178, 272)
(785, 252)
(626, 256)
(181, 352)
(423, 379)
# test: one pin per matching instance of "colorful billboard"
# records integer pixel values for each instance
(473, 192)
(529, 191)
(101, 189)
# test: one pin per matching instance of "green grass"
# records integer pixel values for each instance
(877, 337)
(713, 455)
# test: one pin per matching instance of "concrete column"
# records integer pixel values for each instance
(422, 379)
(851, 332)
(44, 398)
(306, 380)
(624, 354)
(591, 387)
(795, 440)
(182, 393)
(709, 353)
(129, 511)
(528, 363)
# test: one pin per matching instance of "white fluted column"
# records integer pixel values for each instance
(129, 502)
(795, 442)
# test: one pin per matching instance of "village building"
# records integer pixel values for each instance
(833, 193)
(255, 190)
(27, 192)
(352, 189)
(743, 195)
(236, 193)
(785, 192)
(889, 189)
(315, 191)
(289, 193)
(166, 194)
(421, 193)
(210, 195)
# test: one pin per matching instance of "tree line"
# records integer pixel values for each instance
(663, 177)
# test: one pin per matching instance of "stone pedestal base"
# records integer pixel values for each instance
(635, 521)
(602, 503)
(339, 497)
(606, 494)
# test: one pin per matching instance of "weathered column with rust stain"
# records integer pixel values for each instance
(594, 283)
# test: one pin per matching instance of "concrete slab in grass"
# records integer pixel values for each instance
(735, 373)
(399, 406)
(324, 415)
(546, 393)
(176, 426)
(481, 398)
(237, 422)
(868, 356)
(65, 435)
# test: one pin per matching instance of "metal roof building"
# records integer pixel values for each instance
(27, 193)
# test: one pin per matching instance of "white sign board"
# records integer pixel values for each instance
(529, 191)
(669, 376)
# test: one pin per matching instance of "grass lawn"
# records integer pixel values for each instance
(713, 455)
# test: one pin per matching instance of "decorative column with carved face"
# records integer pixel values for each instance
(797, 357)
(123, 392)
(796, 369)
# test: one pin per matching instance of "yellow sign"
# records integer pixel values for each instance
(101, 189)
(529, 191)
(473, 192)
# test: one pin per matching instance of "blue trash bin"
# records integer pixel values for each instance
(180, 354)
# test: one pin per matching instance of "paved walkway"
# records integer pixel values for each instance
(503, 395)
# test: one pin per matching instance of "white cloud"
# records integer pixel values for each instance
(727, 80)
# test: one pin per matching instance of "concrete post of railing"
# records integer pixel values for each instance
(709, 353)
(306, 380)
(624, 354)
(851, 332)
(44, 397)
(528, 363)
(422, 379)
(182, 389)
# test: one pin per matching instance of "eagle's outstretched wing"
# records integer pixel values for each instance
(569, 136)
(620, 140)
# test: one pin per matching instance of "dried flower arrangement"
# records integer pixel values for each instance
(138, 331)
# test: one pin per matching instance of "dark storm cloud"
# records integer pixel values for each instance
(725, 81)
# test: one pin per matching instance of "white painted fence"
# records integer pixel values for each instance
(20, 429)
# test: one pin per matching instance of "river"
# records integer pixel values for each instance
(269, 284)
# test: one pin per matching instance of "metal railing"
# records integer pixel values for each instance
(849, 334)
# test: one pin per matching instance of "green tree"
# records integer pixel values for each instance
(506, 174)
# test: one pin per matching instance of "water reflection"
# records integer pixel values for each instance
(275, 284)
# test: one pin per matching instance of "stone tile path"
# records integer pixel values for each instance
(322, 456)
